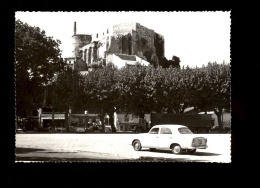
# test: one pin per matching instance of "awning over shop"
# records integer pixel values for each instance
(54, 118)
(49, 116)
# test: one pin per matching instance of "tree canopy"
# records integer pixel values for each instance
(144, 89)
(38, 59)
(69, 91)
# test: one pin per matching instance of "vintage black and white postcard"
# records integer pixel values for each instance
(123, 86)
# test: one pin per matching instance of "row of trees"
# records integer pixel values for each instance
(137, 89)
(140, 89)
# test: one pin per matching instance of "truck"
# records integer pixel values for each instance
(197, 123)
(132, 123)
(140, 127)
(82, 122)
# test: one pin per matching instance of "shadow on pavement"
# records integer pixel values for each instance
(64, 158)
(157, 159)
(27, 150)
(205, 154)
(141, 159)
(56, 159)
(184, 152)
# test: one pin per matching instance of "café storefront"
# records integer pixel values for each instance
(46, 119)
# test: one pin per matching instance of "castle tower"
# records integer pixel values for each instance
(75, 28)
(80, 40)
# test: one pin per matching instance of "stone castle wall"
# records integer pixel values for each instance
(125, 38)
(79, 42)
(123, 28)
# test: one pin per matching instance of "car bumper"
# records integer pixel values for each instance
(198, 147)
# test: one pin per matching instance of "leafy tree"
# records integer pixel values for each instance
(175, 92)
(37, 61)
(132, 89)
(143, 89)
(69, 92)
(163, 89)
(155, 90)
(102, 91)
(163, 62)
(210, 89)
(219, 82)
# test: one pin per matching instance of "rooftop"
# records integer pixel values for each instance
(126, 57)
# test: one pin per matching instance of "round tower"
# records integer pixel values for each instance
(79, 40)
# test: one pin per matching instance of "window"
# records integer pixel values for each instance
(185, 131)
(97, 35)
(137, 37)
(80, 54)
(103, 33)
(126, 118)
(166, 131)
(107, 31)
(154, 131)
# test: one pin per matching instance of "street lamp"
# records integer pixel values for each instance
(85, 118)
(106, 117)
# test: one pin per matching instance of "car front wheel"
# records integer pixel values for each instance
(191, 151)
(137, 145)
(176, 149)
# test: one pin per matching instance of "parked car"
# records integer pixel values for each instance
(60, 129)
(178, 138)
(80, 130)
(108, 128)
(19, 130)
(44, 129)
(72, 129)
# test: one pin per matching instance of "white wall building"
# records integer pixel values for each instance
(121, 60)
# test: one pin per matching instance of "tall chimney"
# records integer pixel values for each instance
(75, 28)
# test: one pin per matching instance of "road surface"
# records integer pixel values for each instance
(110, 147)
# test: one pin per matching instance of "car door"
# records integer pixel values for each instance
(165, 137)
(151, 139)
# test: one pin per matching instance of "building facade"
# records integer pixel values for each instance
(131, 39)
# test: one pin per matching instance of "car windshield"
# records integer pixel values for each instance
(154, 131)
(185, 130)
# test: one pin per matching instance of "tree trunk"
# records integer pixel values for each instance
(219, 115)
(52, 117)
(52, 121)
(67, 122)
(69, 117)
(102, 120)
(111, 121)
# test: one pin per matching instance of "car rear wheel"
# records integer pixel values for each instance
(176, 149)
(137, 145)
(191, 151)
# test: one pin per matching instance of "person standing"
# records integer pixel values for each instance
(99, 124)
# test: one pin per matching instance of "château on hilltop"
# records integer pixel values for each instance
(121, 44)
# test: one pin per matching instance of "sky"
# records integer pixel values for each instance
(195, 37)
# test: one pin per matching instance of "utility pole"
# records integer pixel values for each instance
(52, 117)
(69, 119)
